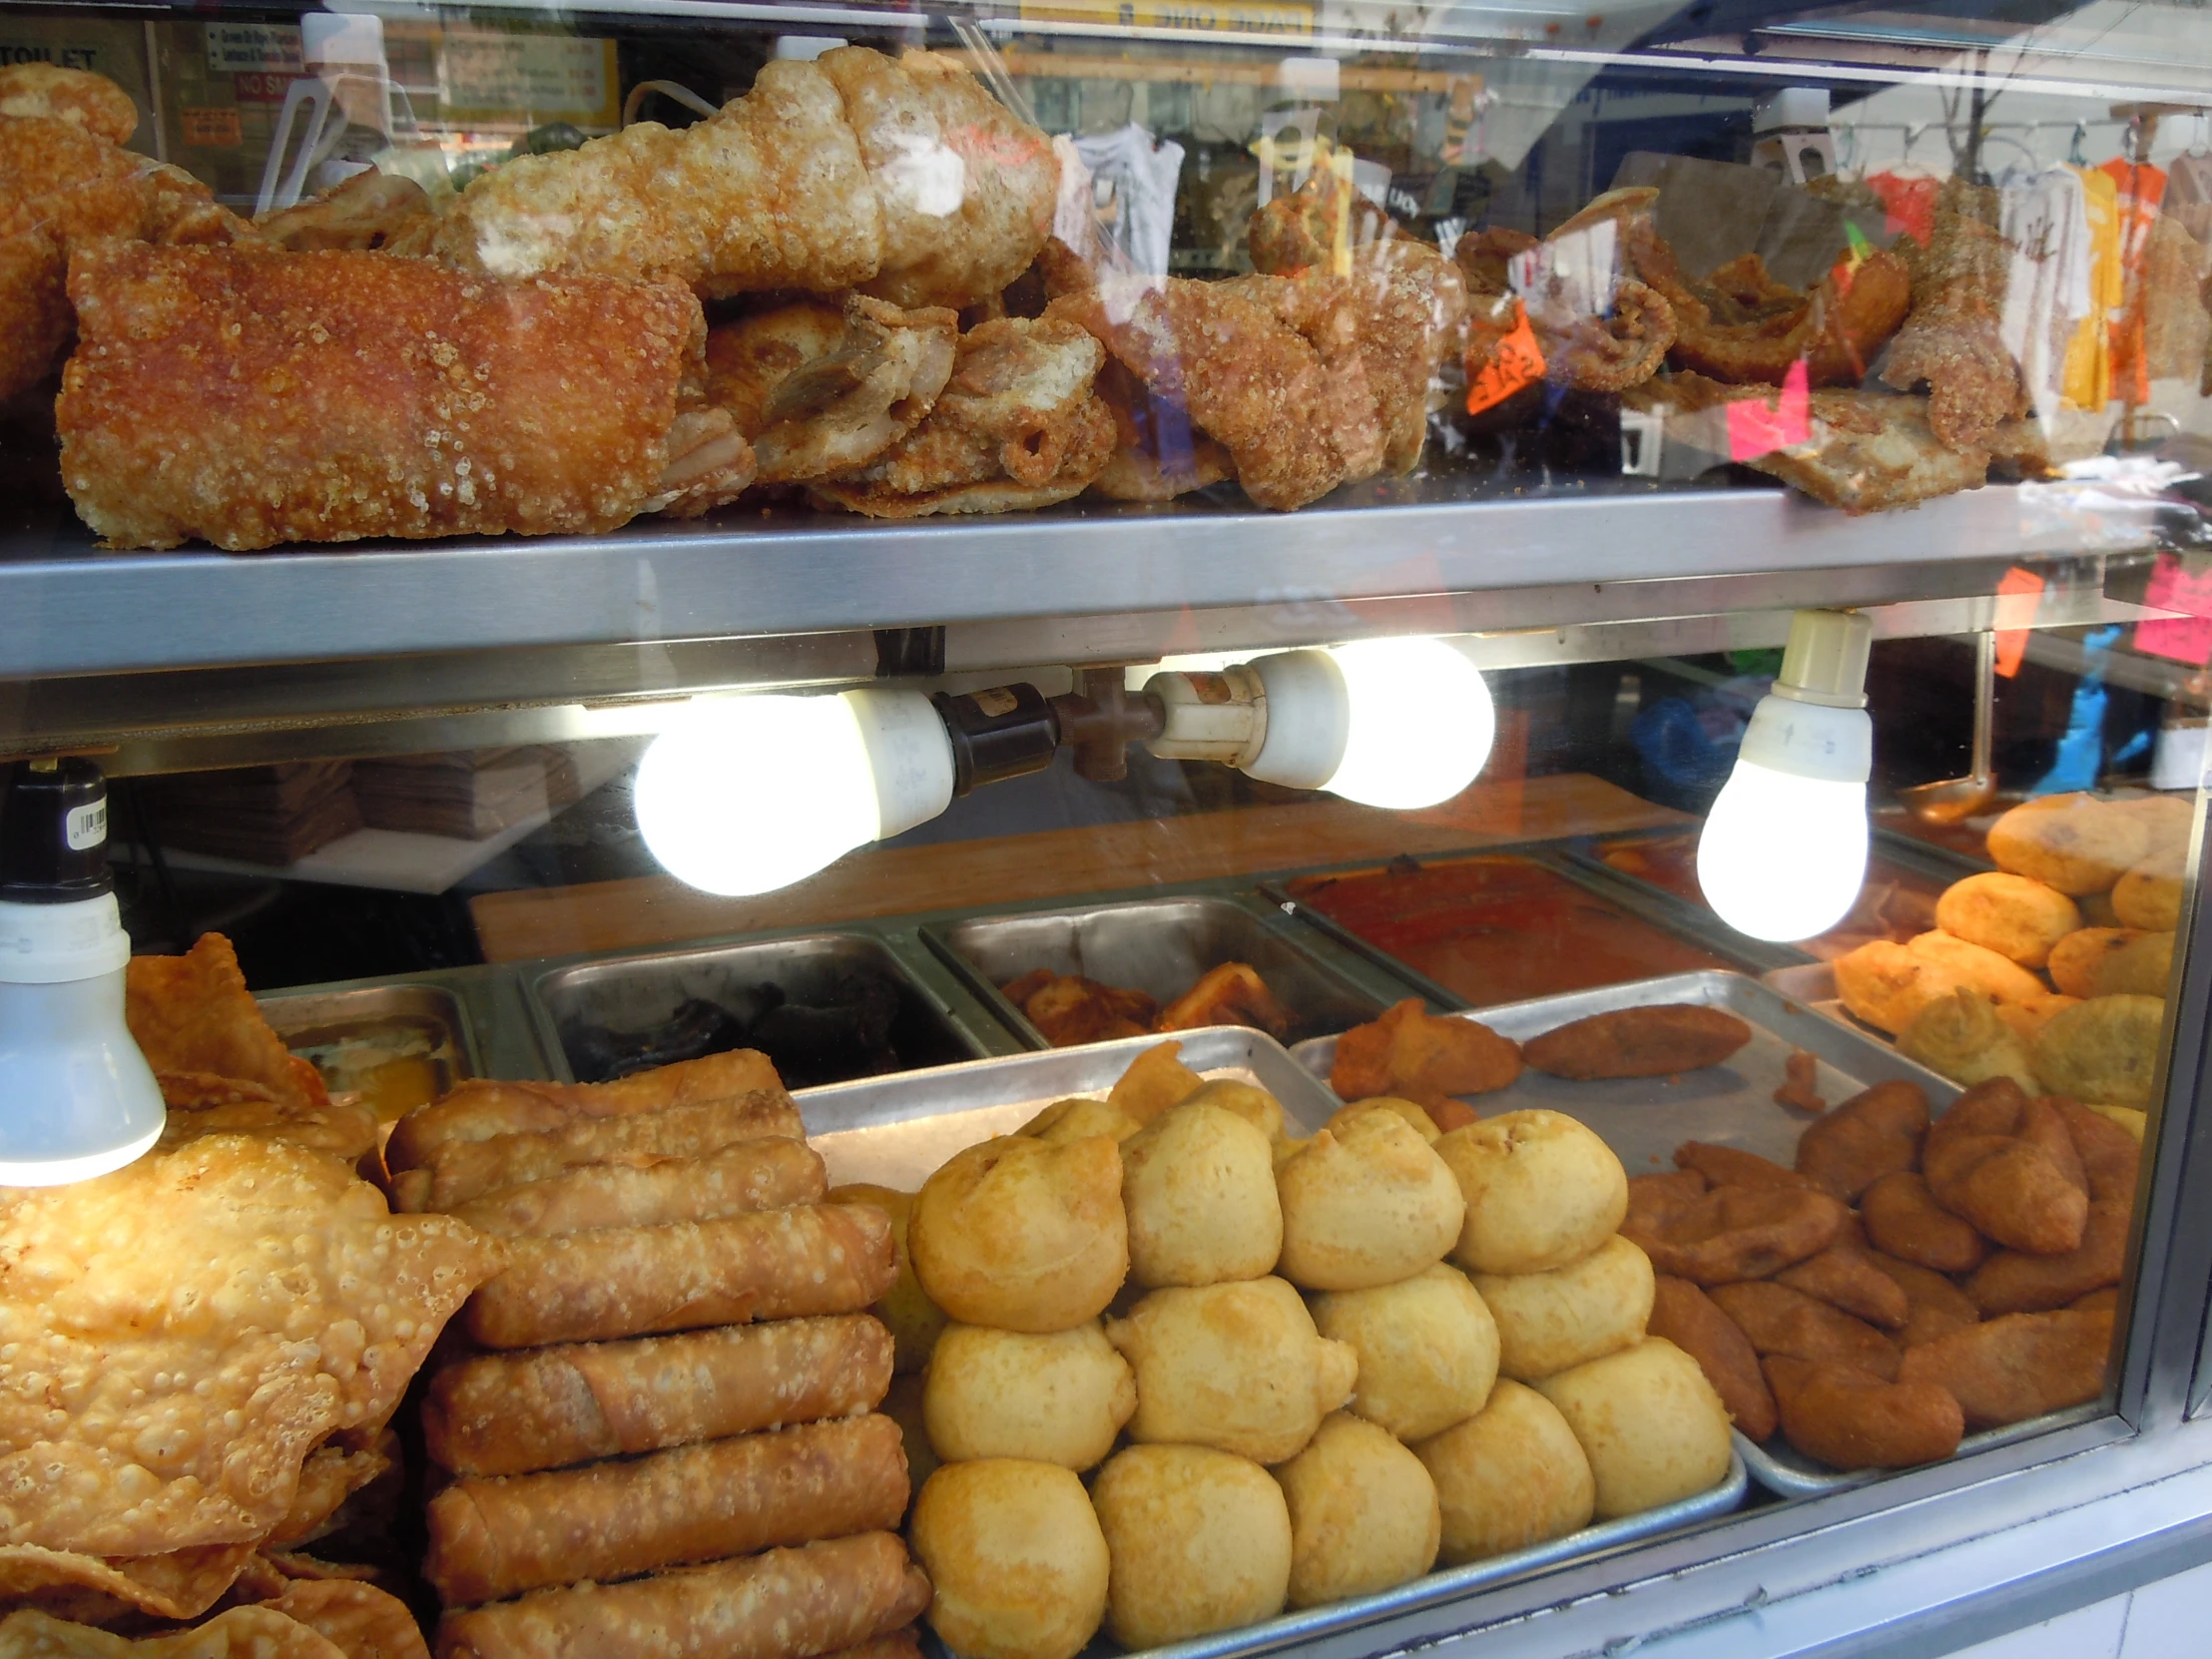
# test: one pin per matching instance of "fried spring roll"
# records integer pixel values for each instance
(495, 1538)
(480, 1108)
(786, 1604)
(900, 1644)
(512, 1414)
(751, 1175)
(637, 1281)
(463, 1170)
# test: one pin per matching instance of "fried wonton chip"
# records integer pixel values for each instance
(180, 1586)
(331, 1475)
(345, 1127)
(360, 1620)
(241, 1633)
(192, 1014)
(182, 1333)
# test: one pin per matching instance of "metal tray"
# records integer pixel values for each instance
(1788, 1472)
(1643, 1119)
(430, 1014)
(1160, 946)
(894, 1131)
(631, 992)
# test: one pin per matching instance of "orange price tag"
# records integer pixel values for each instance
(1515, 360)
(2017, 593)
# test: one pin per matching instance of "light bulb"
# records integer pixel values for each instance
(745, 795)
(1421, 722)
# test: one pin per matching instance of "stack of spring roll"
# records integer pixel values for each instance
(661, 1434)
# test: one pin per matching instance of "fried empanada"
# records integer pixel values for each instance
(1904, 1219)
(2008, 1165)
(1843, 1276)
(2017, 1366)
(1937, 1306)
(1738, 1233)
(1851, 1419)
(1658, 1040)
(1777, 1320)
(1686, 1317)
(2111, 1156)
(1875, 1133)
(2015, 1282)
(1729, 1166)
(2103, 1051)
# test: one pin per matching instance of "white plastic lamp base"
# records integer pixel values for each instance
(1393, 723)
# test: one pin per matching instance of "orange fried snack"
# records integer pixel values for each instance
(1738, 1233)
(1686, 1317)
(90, 102)
(252, 397)
(1410, 1052)
(1875, 1133)
(1800, 1083)
(1843, 1276)
(1729, 1166)
(1852, 1420)
(1068, 1009)
(195, 1020)
(2111, 1158)
(2008, 1165)
(1231, 995)
(368, 211)
(1654, 1201)
(1660, 1040)
(1777, 1320)
(1904, 1219)
(2017, 1366)
(360, 1620)
(2015, 1282)
(1937, 1306)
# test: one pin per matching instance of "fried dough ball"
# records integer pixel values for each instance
(1370, 1206)
(1363, 1513)
(1777, 1320)
(1059, 1399)
(2113, 962)
(2167, 819)
(1198, 1183)
(1411, 1111)
(1686, 1317)
(2017, 1366)
(1248, 1100)
(2073, 842)
(914, 1319)
(1547, 1322)
(2010, 914)
(2103, 1051)
(1651, 1426)
(1904, 1219)
(1017, 1558)
(1428, 1349)
(1876, 1132)
(1200, 1542)
(1541, 1191)
(1239, 1367)
(1154, 1080)
(1885, 983)
(1022, 1235)
(1963, 1037)
(1851, 1420)
(1510, 1476)
(1078, 1120)
(2149, 896)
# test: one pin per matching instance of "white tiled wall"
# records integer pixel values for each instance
(2172, 1620)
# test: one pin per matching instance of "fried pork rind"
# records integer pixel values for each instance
(1158, 455)
(1953, 338)
(2073, 842)
(1962, 1036)
(193, 1016)
(967, 188)
(1068, 1009)
(1593, 351)
(1851, 1419)
(240, 1634)
(255, 397)
(1736, 1232)
(1658, 1040)
(370, 210)
(360, 1620)
(2104, 1050)
(1017, 426)
(2017, 1366)
(77, 95)
(1876, 1132)
(819, 387)
(211, 1315)
(1309, 227)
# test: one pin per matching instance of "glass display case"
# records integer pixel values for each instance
(1283, 825)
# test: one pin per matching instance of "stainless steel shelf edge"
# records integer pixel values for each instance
(76, 611)
(1788, 1472)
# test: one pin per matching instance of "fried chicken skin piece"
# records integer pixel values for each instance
(2008, 1165)
(1610, 351)
(368, 211)
(1407, 1049)
(1953, 339)
(1157, 454)
(252, 397)
(84, 100)
(1309, 228)
(1661, 1040)
(1904, 1219)
(1738, 1233)
(1843, 1276)
(1876, 1132)
(1070, 1010)
(1686, 1317)
(2018, 1366)
(2016, 1282)
(1231, 995)
(1779, 1319)
(1936, 1306)
(1730, 1165)
(1018, 425)
(1852, 1419)
(820, 386)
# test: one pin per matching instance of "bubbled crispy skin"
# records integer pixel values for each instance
(1904, 1219)
(2017, 1366)
(1738, 1233)
(249, 398)
(1656, 1041)
(1779, 1319)
(1610, 353)
(1875, 1133)
(1849, 1419)
(1686, 1317)
(77, 95)
(1953, 338)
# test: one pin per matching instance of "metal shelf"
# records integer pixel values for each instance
(69, 610)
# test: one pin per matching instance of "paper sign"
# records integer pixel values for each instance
(1515, 362)
(254, 48)
(2186, 638)
(2017, 595)
(1212, 17)
(216, 128)
(1756, 427)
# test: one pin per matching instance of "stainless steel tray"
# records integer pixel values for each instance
(1788, 1472)
(1813, 985)
(632, 992)
(314, 1019)
(1160, 946)
(1644, 1119)
(894, 1131)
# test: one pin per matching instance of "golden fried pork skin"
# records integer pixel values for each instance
(1953, 339)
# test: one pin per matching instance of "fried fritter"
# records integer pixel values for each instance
(820, 387)
(2017, 1366)
(1852, 1419)
(2149, 894)
(1686, 1317)
(2008, 1165)
(1876, 1132)
(1659, 1040)
(1965, 1037)
(2103, 1051)
(2106, 962)
(1018, 425)
(1938, 1307)
(1738, 1233)
(2014, 1282)
(1904, 1219)
(1885, 983)
(1231, 995)
(1410, 1052)
(2011, 915)
(1843, 1276)
(2076, 843)
(1779, 1319)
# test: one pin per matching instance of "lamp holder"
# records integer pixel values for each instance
(1009, 731)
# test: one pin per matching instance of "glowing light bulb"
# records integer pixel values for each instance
(745, 795)
(1388, 722)
(1783, 851)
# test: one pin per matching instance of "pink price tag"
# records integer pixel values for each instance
(2186, 638)
(1756, 427)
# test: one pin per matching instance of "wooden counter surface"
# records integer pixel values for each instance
(643, 911)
